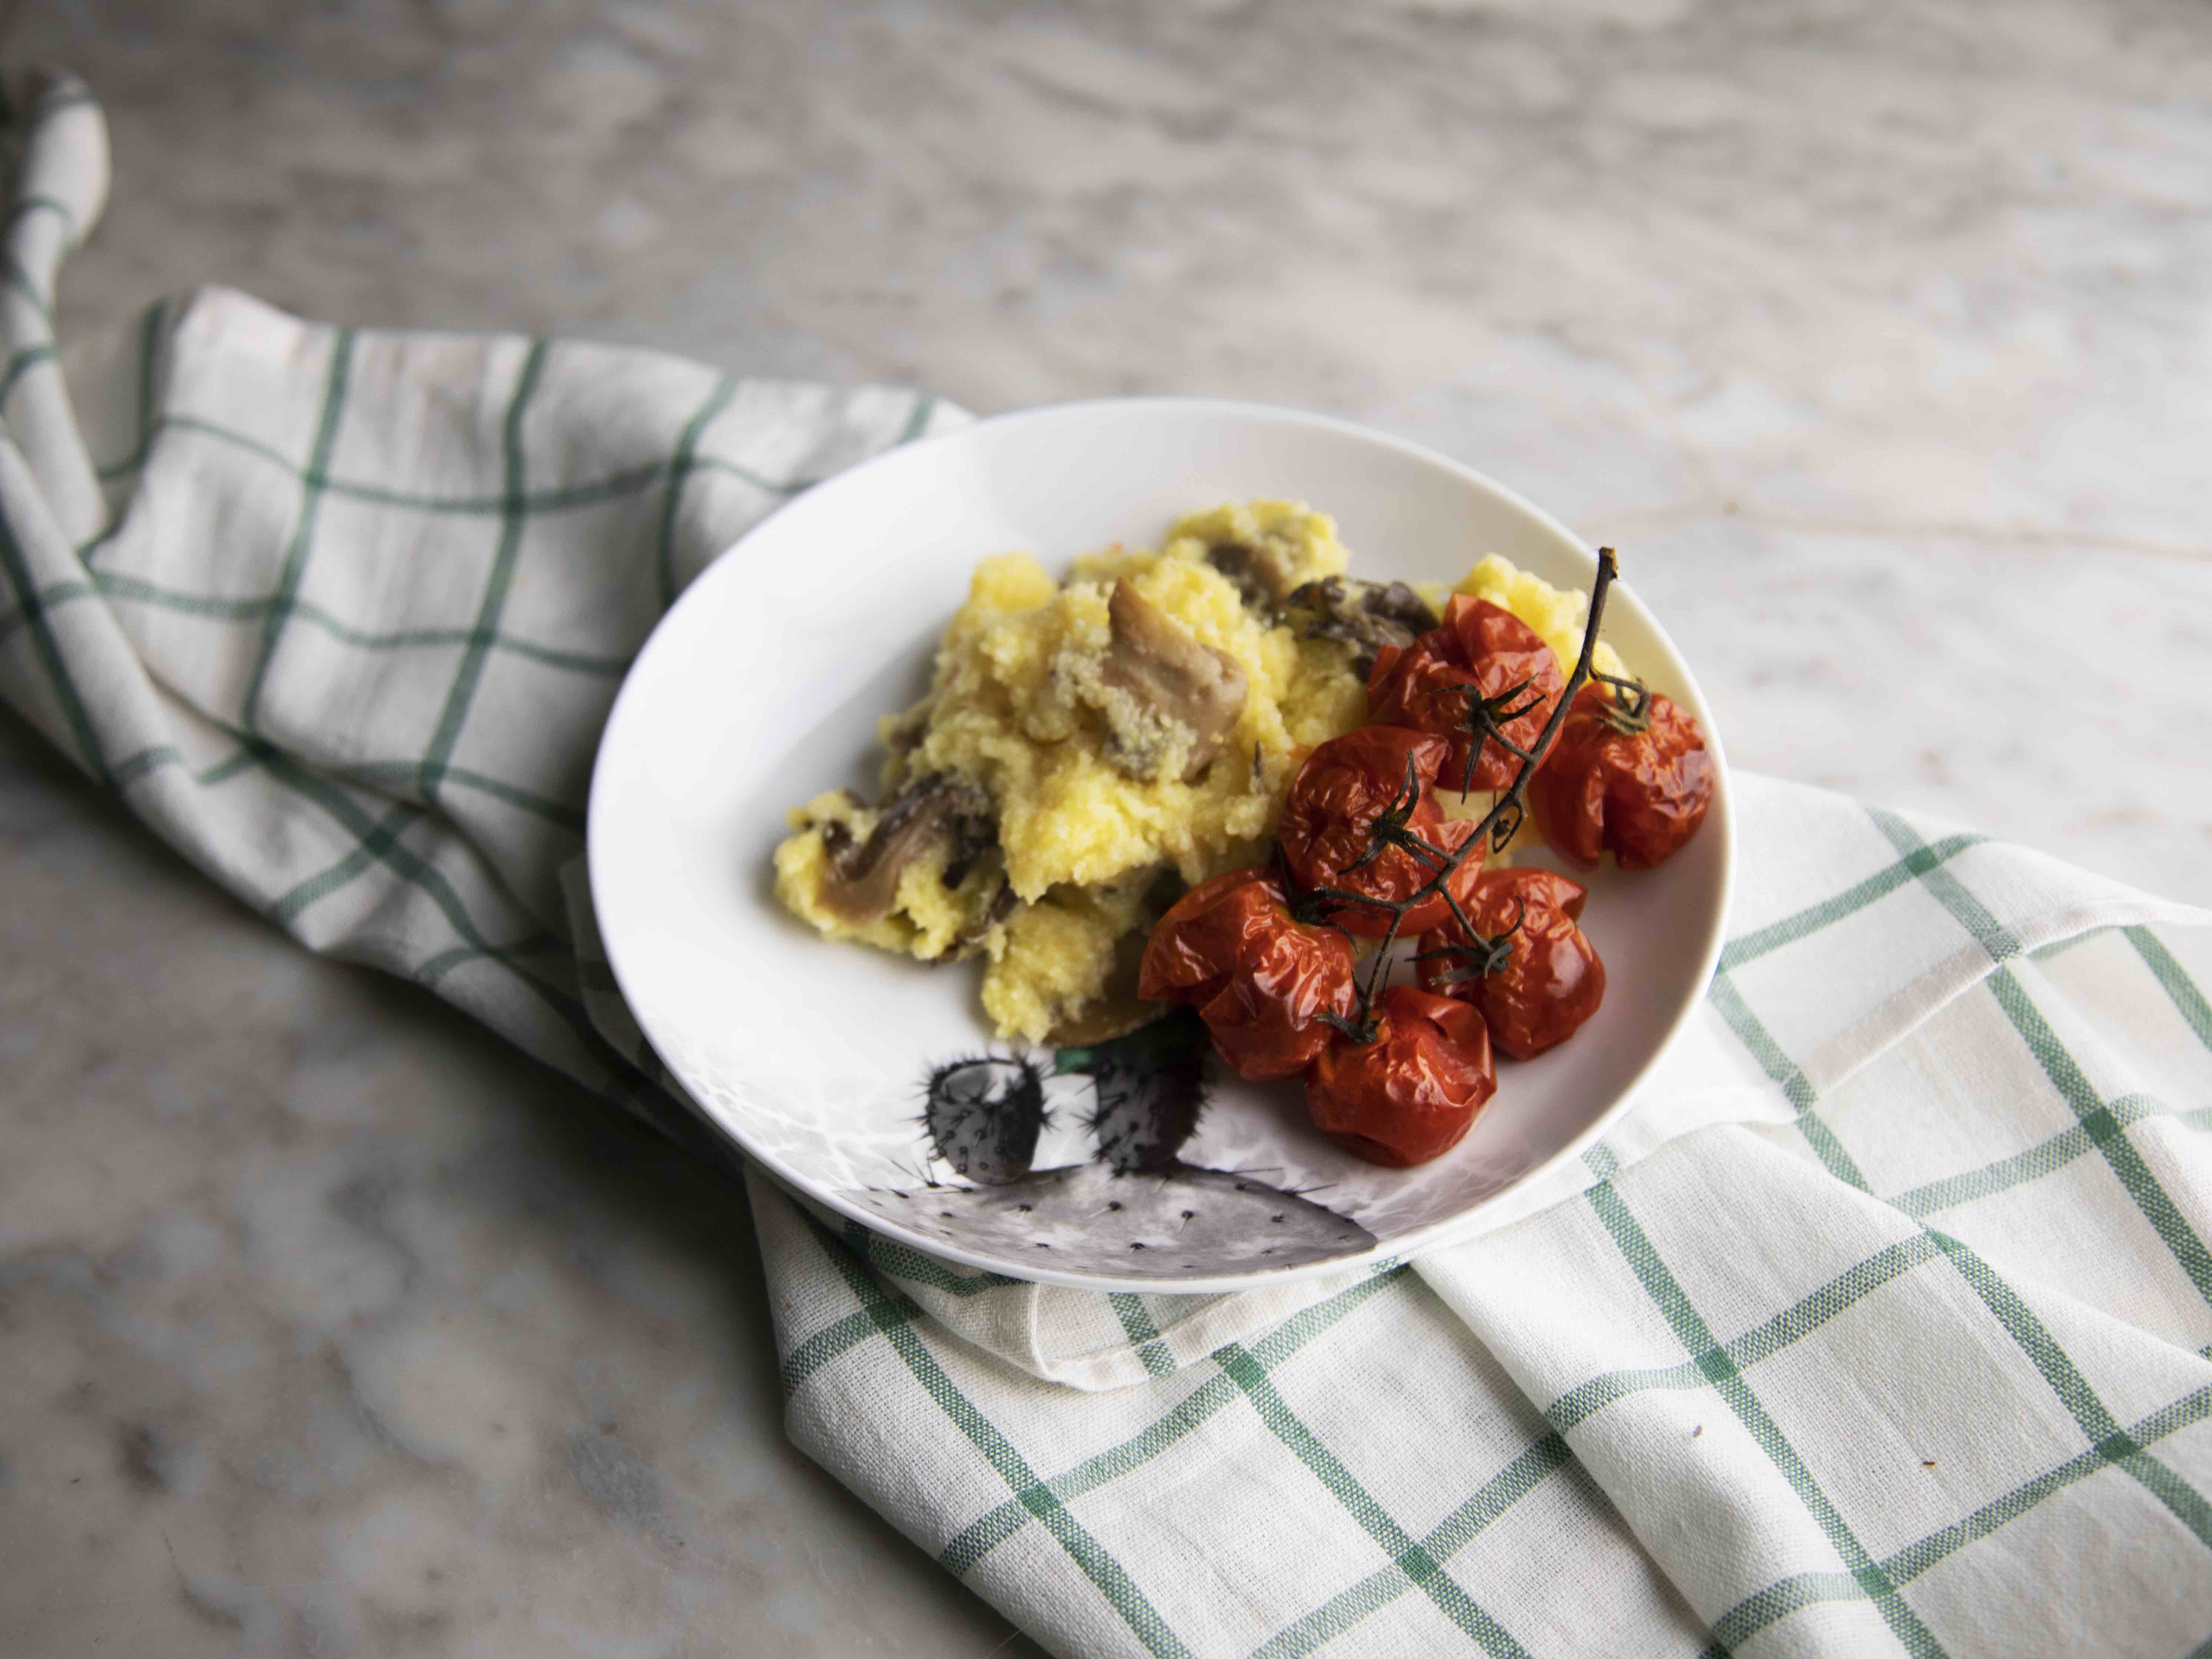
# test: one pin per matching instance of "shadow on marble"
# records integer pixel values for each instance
(328, 1322)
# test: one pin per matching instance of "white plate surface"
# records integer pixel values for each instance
(761, 688)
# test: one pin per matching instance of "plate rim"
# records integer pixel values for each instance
(1415, 1241)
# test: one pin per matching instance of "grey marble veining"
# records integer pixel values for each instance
(328, 1325)
(1878, 338)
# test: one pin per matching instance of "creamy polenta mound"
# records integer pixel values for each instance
(1091, 747)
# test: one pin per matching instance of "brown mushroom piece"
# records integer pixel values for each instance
(1365, 615)
(1260, 573)
(1163, 667)
(863, 876)
(972, 937)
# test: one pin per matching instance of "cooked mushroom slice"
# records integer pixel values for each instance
(1162, 666)
(974, 834)
(863, 879)
(1260, 574)
(977, 932)
(1366, 616)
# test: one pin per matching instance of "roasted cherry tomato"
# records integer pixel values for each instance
(1481, 653)
(1637, 785)
(1349, 789)
(1408, 1095)
(1547, 979)
(1260, 980)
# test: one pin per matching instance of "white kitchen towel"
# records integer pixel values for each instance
(1882, 1322)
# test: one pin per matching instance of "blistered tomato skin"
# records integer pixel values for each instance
(1260, 980)
(1640, 796)
(1328, 824)
(1481, 650)
(1551, 983)
(1410, 1095)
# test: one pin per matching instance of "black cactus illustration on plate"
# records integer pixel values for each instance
(984, 1112)
(1150, 1087)
(1137, 1202)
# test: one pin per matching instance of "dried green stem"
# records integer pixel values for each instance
(1628, 711)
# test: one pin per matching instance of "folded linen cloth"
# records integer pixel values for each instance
(1881, 1322)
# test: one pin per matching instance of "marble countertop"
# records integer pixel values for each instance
(1880, 344)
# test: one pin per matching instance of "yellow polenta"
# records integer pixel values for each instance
(1091, 746)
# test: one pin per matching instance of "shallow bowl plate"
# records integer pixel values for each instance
(761, 688)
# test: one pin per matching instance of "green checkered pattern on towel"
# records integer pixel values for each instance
(1881, 1323)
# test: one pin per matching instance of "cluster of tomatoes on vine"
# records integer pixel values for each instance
(1395, 1074)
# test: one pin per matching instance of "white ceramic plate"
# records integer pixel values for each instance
(761, 688)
